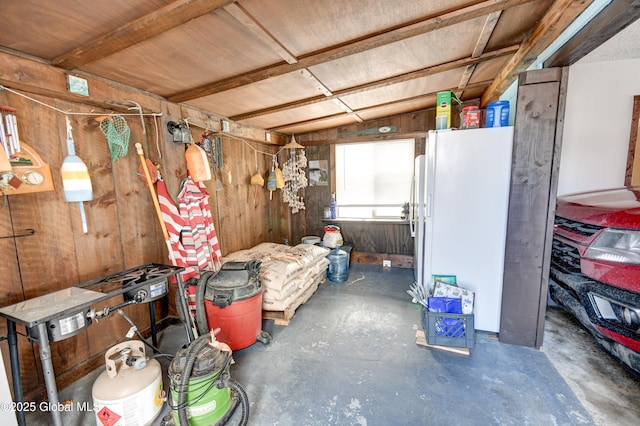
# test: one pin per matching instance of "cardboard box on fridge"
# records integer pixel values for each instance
(444, 109)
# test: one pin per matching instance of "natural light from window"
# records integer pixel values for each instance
(373, 179)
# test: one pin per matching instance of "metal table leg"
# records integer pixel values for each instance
(49, 376)
(14, 357)
(152, 317)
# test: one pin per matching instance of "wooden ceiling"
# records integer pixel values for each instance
(292, 66)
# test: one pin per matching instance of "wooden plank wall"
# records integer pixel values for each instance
(317, 197)
(123, 229)
(532, 201)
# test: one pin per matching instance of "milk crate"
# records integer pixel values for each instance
(444, 329)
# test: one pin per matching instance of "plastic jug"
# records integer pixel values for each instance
(338, 270)
(497, 114)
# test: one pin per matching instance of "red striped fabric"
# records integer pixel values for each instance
(199, 236)
(174, 224)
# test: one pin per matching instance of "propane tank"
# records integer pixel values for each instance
(130, 391)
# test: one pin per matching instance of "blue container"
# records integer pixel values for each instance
(338, 270)
(497, 114)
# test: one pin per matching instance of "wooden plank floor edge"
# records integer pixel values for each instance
(422, 341)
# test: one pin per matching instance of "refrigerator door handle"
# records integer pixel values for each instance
(428, 205)
(412, 215)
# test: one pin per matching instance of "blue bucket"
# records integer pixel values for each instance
(497, 114)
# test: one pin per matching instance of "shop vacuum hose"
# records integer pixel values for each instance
(252, 267)
(201, 311)
(223, 381)
(239, 395)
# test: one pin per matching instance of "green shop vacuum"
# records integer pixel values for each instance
(202, 392)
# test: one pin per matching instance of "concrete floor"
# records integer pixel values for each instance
(349, 357)
(606, 390)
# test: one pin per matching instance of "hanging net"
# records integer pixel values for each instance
(117, 132)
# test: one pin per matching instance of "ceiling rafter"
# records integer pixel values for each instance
(144, 28)
(555, 21)
(479, 85)
(417, 28)
(315, 82)
(487, 29)
(382, 83)
(242, 16)
(327, 93)
(211, 40)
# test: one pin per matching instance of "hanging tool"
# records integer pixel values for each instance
(216, 155)
(138, 107)
(217, 148)
(76, 181)
(207, 145)
(214, 151)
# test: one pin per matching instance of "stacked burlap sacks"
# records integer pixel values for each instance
(290, 275)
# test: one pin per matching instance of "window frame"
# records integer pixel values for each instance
(417, 149)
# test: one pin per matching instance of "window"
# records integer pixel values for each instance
(373, 179)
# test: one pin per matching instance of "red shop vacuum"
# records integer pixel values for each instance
(231, 300)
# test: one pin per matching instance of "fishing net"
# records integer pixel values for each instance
(117, 132)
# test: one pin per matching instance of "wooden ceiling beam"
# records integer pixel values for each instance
(144, 28)
(381, 83)
(610, 21)
(478, 85)
(559, 16)
(481, 44)
(361, 45)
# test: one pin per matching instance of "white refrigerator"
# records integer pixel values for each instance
(460, 200)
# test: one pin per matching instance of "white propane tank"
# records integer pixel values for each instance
(130, 391)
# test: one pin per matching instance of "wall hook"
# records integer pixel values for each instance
(138, 108)
(28, 232)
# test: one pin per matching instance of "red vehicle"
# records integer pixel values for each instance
(595, 267)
